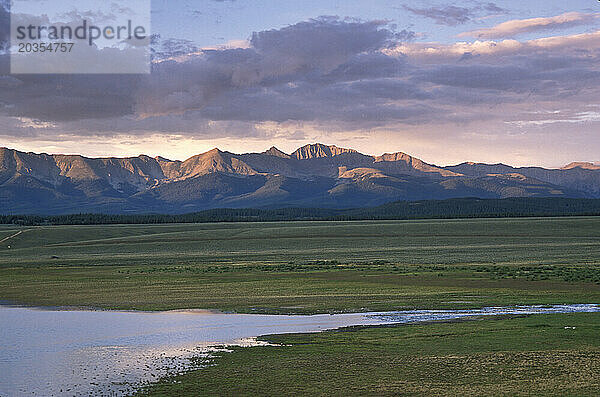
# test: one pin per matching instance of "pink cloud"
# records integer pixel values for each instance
(438, 52)
(520, 26)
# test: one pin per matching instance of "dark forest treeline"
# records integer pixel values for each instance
(453, 208)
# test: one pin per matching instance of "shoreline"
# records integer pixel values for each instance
(160, 345)
(85, 308)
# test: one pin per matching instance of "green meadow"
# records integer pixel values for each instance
(330, 267)
(304, 267)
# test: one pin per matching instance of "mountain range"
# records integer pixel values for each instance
(314, 175)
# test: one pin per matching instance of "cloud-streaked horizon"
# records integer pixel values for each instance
(367, 84)
(520, 26)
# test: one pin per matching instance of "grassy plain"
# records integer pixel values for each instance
(305, 267)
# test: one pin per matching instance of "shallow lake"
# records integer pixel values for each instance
(84, 352)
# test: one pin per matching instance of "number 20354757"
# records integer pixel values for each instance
(46, 47)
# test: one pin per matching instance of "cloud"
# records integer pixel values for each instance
(171, 48)
(492, 7)
(243, 83)
(217, 81)
(338, 74)
(437, 52)
(322, 43)
(497, 77)
(68, 97)
(446, 15)
(559, 117)
(521, 26)
(451, 15)
(368, 66)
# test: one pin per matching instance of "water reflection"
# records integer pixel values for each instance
(54, 352)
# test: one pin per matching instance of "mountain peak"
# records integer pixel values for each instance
(317, 150)
(273, 151)
(398, 156)
(214, 161)
(325, 176)
(408, 163)
(581, 164)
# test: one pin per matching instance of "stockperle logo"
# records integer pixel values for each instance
(84, 36)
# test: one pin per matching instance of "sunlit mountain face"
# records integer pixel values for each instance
(314, 175)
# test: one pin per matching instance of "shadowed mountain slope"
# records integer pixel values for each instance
(314, 175)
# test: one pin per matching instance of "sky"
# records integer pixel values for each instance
(516, 82)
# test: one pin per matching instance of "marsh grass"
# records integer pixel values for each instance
(515, 356)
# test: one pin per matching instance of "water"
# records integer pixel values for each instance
(84, 352)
